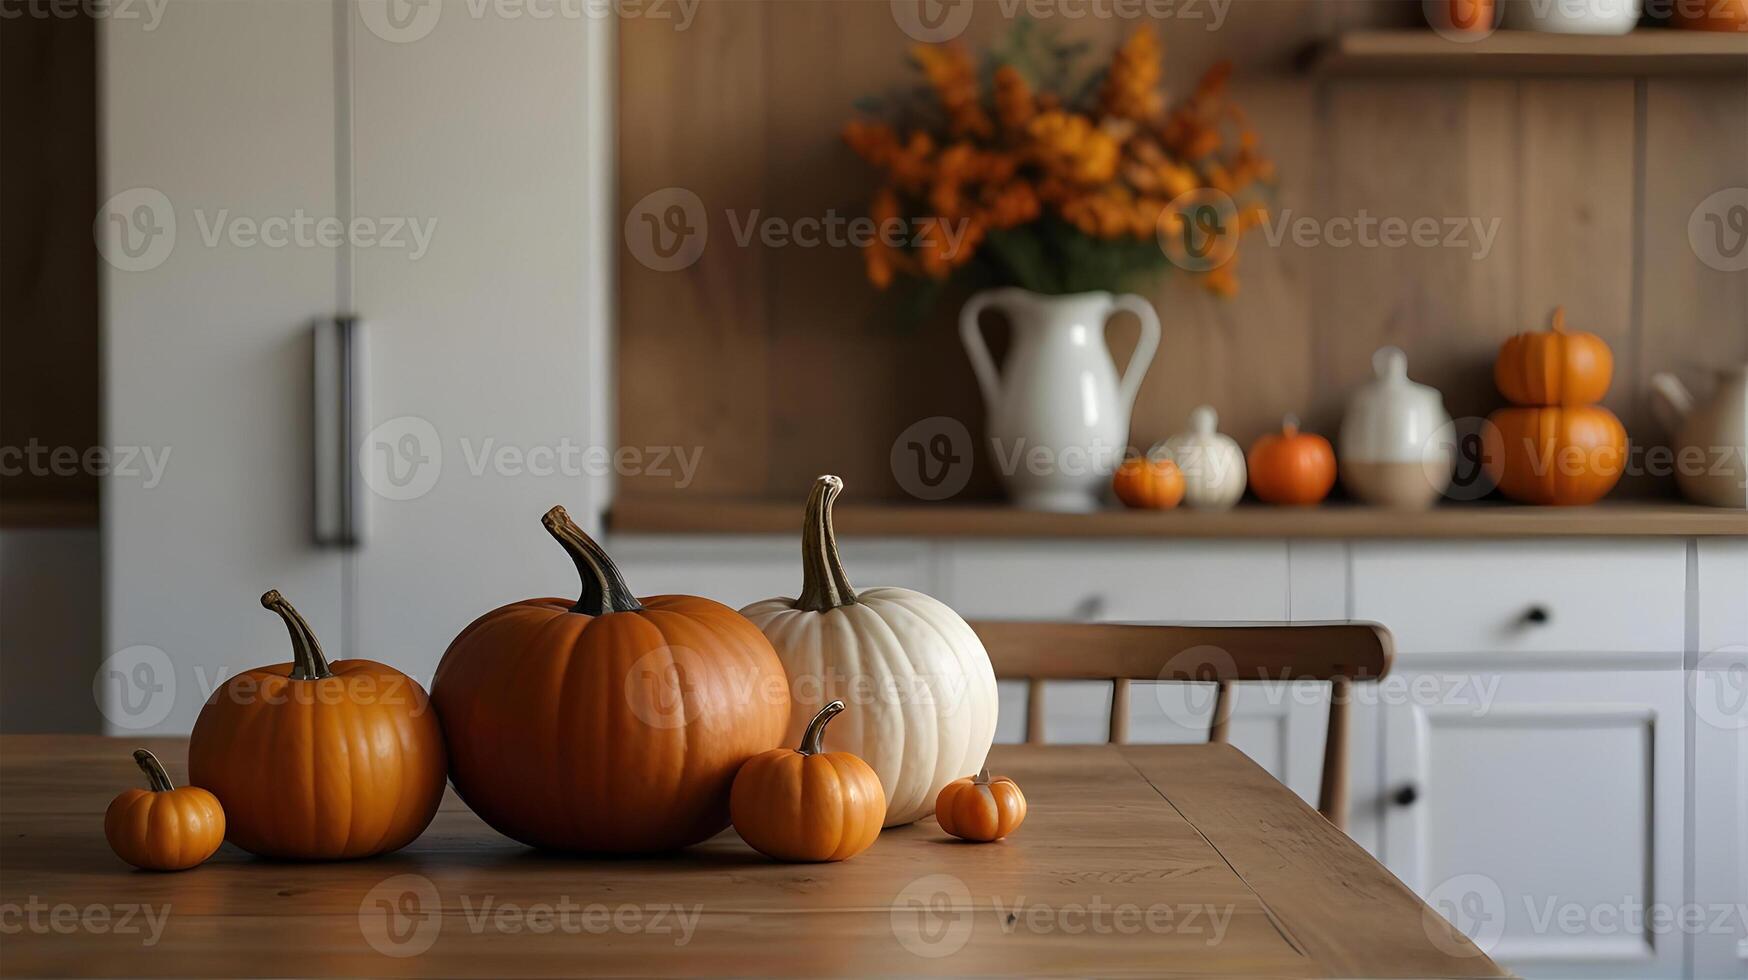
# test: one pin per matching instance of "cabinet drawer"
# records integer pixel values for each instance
(1070, 581)
(1605, 596)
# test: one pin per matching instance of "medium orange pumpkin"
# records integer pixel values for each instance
(1148, 483)
(981, 808)
(808, 804)
(1291, 467)
(1552, 455)
(1554, 367)
(607, 723)
(316, 761)
(164, 828)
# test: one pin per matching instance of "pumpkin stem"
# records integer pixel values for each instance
(812, 739)
(1559, 321)
(1290, 425)
(307, 661)
(982, 777)
(824, 584)
(154, 771)
(604, 591)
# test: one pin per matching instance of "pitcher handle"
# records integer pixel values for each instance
(1145, 348)
(972, 336)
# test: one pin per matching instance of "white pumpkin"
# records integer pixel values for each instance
(1212, 464)
(920, 690)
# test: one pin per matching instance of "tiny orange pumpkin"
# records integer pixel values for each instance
(1291, 467)
(1149, 483)
(981, 808)
(807, 804)
(163, 828)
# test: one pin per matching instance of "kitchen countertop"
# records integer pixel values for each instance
(1134, 860)
(692, 514)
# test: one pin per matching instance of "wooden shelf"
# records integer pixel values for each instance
(691, 515)
(40, 513)
(1643, 52)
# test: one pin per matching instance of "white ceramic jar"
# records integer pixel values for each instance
(1572, 16)
(1396, 447)
(1212, 464)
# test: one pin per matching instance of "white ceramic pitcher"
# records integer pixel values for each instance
(1059, 419)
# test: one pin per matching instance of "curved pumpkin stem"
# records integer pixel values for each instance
(154, 771)
(982, 777)
(813, 739)
(1558, 323)
(307, 661)
(824, 584)
(604, 591)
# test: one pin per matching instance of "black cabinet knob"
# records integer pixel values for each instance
(1537, 615)
(1406, 795)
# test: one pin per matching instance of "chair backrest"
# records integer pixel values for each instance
(1224, 653)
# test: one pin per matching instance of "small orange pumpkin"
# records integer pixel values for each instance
(1148, 483)
(1552, 455)
(163, 828)
(1554, 367)
(981, 808)
(316, 761)
(1291, 467)
(807, 804)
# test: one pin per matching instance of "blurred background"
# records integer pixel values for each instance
(338, 296)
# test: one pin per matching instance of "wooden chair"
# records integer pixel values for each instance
(1341, 653)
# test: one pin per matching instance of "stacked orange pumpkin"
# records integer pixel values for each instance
(1555, 444)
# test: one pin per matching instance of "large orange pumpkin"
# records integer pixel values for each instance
(1554, 455)
(1554, 367)
(1291, 467)
(609, 723)
(319, 761)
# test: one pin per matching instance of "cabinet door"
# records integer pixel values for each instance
(218, 126)
(1543, 814)
(1718, 684)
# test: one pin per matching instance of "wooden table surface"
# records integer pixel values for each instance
(1134, 860)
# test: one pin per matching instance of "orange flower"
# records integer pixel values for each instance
(1069, 145)
(954, 78)
(1131, 88)
(881, 259)
(1014, 104)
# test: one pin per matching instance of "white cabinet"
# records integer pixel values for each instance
(1718, 687)
(1543, 813)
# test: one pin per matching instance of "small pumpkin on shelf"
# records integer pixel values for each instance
(1291, 467)
(319, 761)
(807, 804)
(1149, 483)
(981, 808)
(1554, 367)
(163, 828)
(1560, 456)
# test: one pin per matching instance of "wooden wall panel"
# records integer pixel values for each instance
(783, 363)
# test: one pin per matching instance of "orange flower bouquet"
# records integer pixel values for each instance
(1019, 186)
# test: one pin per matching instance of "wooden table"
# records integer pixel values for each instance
(1150, 860)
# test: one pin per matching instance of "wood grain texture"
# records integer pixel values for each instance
(1421, 52)
(781, 362)
(683, 515)
(1200, 831)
